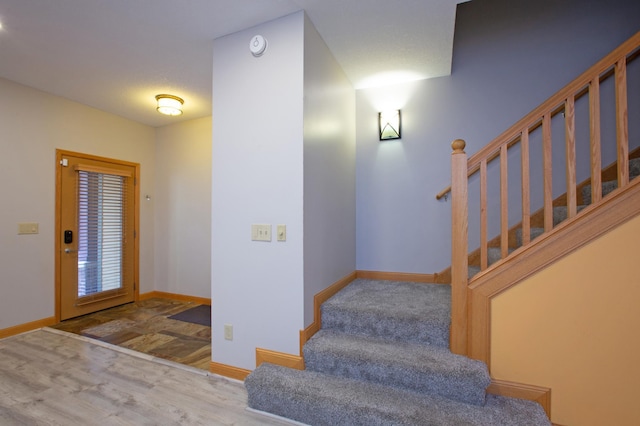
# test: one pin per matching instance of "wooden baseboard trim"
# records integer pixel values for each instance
(398, 276)
(318, 300)
(444, 276)
(175, 296)
(295, 361)
(328, 292)
(228, 371)
(538, 394)
(279, 358)
(22, 328)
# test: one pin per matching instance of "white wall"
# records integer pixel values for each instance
(257, 178)
(182, 203)
(329, 170)
(508, 58)
(33, 125)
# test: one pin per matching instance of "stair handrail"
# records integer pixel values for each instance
(462, 168)
(473, 165)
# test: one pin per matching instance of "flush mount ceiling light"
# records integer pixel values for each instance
(169, 104)
(389, 124)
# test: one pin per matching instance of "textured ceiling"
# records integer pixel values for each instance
(116, 55)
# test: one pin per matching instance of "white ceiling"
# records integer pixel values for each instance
(116, 55)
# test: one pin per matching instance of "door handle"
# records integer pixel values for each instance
(70, 251)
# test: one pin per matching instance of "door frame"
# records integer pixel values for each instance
(58, 228)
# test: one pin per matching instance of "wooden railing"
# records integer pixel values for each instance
(540, 120)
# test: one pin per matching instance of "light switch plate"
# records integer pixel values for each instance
(27, 228)
(260, 232)
(282, 233)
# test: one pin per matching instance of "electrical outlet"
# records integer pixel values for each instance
(228, 332)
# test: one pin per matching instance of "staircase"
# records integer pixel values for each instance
(395, 353)
(382, 358)
(560, 214)
(561, 226)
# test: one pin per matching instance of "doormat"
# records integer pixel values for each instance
(200, 314)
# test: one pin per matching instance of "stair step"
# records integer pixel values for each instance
(473, 270)
(399, 311)
(494, 254)
(320, 399)
(533, 234)
(609, 186)
(560, 213)
(420, 368)
(634, 168)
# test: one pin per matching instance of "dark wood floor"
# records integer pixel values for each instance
(144, 327)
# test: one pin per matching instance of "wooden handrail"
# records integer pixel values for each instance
(554, 104)
(588, 83)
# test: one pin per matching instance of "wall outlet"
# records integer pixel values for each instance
(228, 332)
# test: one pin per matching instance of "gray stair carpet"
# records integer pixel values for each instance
(533, 234)
(399, 311)
(320, 399)
(382, 358)
(609, 186)
(421, 368)
(494, 254)
(560, 213)
(472, 270)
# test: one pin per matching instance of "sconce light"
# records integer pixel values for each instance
(169, 104)
(389, 125)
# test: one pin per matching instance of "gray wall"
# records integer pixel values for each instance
(508, 58)
(329, 170)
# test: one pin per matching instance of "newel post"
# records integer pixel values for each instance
(459, 249)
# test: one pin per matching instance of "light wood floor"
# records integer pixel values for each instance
(50, 377)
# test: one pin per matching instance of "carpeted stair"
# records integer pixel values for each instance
(382, 358)
(609, 186)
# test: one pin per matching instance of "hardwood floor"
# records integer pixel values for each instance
(145, 327)
(49, 377)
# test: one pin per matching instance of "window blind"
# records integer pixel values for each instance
(101, 226)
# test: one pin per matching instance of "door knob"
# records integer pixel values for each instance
(70, 251)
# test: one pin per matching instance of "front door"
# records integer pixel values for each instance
(96, 259)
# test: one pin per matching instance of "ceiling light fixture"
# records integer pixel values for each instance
(169, 104)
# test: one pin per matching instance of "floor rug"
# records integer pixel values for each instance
(201, 314)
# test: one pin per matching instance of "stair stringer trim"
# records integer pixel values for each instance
(297, 361)
(593, 222)
(279, 358)
(539, 394)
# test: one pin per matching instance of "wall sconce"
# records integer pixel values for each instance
(389, 125)
(169, 104)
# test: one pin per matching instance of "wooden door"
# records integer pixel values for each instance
(96, 241)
